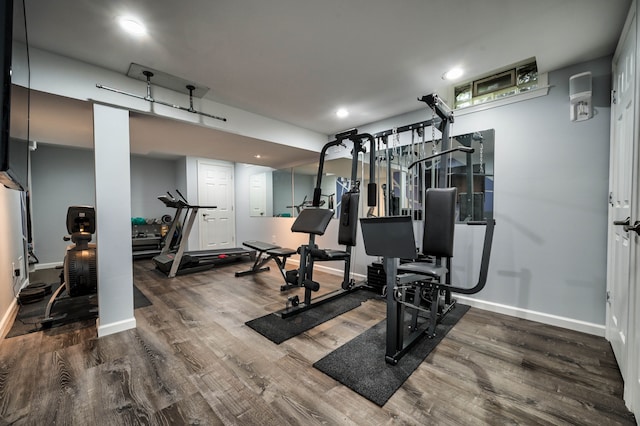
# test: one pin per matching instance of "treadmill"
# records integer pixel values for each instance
(174, 260)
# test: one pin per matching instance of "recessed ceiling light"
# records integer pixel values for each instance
(342, 113)
(453, 73)
(132, 25)
(257, 156)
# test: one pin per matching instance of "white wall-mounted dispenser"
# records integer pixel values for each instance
(581, 106)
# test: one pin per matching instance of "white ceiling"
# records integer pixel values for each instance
(298, 61)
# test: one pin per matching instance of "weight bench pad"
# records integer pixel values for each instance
(281, 252)
(329, 254)
(260, 246)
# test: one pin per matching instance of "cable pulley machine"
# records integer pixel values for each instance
(419, 290)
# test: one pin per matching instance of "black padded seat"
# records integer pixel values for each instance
(329, 254)
(281, 252)
(423, 268)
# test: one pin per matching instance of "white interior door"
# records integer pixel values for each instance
(620, 185)
(623, 267)
(215, 188)
(258, 195)
(632, 386)
(632, 380)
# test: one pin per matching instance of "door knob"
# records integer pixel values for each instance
(635, 227)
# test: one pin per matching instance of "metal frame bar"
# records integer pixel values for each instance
(305, 270)
(149, 98)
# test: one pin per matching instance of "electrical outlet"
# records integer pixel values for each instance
(16, 270)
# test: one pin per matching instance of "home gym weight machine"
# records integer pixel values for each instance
(314, 221)
(421, 287)
(176, 261)
(79, 276)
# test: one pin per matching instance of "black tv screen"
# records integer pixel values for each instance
(14, 145)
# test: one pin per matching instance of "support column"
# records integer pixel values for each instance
(113, 219)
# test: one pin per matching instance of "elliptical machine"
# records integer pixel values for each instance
(79, 276)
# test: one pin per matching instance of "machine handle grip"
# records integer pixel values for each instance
(372, 194)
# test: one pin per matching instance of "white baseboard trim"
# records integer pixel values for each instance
(564, 322)
(39, 266)
(115, 327)
(8, 318)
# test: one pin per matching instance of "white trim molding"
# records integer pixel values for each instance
(8, 318)
(115, 327)
(544, 318)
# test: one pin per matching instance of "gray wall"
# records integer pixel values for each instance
(151, 177)
(64, 176)
(282, 192)
(61, 177)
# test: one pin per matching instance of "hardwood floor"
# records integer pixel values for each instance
(191, 360)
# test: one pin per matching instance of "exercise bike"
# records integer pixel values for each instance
(79, 276)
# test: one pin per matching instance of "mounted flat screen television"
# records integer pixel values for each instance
(14, 106)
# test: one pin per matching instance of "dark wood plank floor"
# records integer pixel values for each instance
(192, 360)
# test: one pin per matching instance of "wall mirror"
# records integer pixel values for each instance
(286, 192)
(471, 173)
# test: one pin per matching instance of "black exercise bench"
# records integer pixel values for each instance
(265, 253)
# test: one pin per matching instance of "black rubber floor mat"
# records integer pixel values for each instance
(360, 363)
(76, 309)
(278, 330)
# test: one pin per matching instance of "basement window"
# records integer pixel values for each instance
(501, 84)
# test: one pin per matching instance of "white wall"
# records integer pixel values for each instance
(551, 178)
(113, 213)
(11, 254)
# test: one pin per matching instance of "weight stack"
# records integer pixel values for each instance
(376, 277)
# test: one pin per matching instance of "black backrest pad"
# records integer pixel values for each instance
(440, 222)
(312, 221)
(348, 219)
(390, 236)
